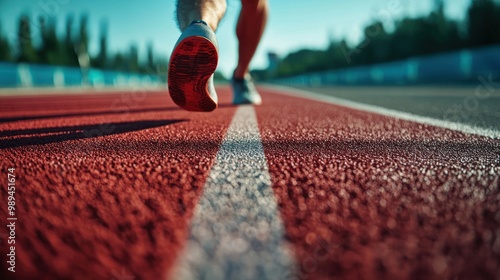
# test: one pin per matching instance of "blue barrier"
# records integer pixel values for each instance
(35, 75)
(8, 77)
(454, 67)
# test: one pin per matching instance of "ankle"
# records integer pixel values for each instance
(240, 75)
(209, 20)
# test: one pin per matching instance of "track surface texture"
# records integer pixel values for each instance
(118, 185)
(477, 105)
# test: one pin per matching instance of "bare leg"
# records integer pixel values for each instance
(210, 11)
(251, 24)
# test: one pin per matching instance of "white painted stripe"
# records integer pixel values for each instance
(465, 128)
(236, 230)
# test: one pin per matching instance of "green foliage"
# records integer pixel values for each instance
(411, 37)
(5, 52)
(68, 52)
(72, 48)
(83, 38)
(219, 77)
(133, 59)
(27, 52)
(483, 23)
(151, 59)
(49, 51)
(100, 61)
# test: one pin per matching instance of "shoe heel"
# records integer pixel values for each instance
(192, 65)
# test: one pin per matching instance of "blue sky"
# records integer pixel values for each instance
(292, 25)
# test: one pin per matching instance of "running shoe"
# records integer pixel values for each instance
(191, 68)
(244, 91)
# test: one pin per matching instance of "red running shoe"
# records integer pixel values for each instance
(191, 68)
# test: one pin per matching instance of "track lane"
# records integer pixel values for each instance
(106, 183)
(364, 196)
(111, 191)
(236, 231)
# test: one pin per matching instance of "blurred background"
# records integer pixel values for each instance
(314, 42)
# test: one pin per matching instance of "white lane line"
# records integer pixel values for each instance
(465, 128)
(236, 230)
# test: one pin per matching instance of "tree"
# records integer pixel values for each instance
(5, 51)
(81, 46)
(412, 36)
(162, 67)
(445, 33)
(133, 59)
(373, 47)
(101, 61)
(68, 50)
(83, 38)
(27, 52)
(483, 23)
(118, 62)
(49, 51)
(151, 60)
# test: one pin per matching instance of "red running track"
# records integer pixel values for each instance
(106, 186)
(389, 199)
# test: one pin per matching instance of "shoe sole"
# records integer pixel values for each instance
(192, 65)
